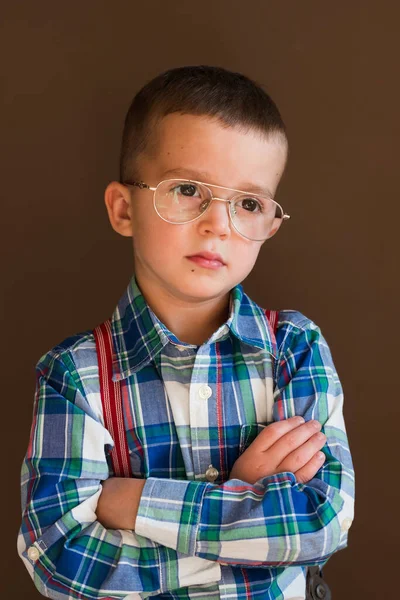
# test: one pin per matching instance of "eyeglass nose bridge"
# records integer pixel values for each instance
(231, 210)
(220, 199)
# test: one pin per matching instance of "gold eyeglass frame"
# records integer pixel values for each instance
(141, 185)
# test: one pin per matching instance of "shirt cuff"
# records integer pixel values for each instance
(169, 512)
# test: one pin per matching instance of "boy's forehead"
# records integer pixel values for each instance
(205, 149)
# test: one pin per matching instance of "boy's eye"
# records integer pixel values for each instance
(186, 189)
(251, 205)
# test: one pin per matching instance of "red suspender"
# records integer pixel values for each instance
(112, 403)
(111, 399)
(272, 316)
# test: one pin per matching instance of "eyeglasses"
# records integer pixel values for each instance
(179, 201)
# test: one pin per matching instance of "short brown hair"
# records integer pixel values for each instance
(231, 97)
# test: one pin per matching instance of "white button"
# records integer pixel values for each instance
(205, 392)
(346, 524)
(181, 348)
(33, 553)
(211, 473)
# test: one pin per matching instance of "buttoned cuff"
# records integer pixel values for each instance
(169, 512)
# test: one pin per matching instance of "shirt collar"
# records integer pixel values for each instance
(138, 334)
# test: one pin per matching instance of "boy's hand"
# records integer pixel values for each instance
(290, 445)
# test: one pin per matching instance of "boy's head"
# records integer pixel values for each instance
(233, 99)
(208, 125)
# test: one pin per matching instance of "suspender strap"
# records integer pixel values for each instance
(112, 402)
(272, 316)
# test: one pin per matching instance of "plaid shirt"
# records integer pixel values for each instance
(185, 408)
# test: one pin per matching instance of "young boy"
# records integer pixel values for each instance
(241, 472)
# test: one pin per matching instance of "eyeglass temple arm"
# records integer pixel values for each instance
(139, 184)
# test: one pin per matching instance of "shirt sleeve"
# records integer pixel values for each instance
(67, 552)
(276, 521)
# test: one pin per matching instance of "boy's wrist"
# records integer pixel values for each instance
(119, 502)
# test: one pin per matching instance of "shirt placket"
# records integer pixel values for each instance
(176, 382)
(206, 415)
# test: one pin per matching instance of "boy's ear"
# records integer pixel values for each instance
(118, 202)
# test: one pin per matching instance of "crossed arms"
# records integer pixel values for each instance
(292, 445)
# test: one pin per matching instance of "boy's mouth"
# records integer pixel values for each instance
(208, 260)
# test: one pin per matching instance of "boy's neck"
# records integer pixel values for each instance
(192, 323)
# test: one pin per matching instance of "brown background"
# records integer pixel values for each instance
(69, 71)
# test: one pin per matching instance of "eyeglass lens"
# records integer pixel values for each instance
(181, 201)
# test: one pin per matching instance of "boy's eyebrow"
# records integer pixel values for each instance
(205, 177)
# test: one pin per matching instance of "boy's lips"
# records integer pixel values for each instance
(208, 260)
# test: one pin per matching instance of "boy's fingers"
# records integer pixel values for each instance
(300, 457)
(311, 468)
(293, 440)
(273, 432)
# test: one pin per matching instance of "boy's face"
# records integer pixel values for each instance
(203, 149)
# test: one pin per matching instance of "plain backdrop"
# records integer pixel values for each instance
(68, 73)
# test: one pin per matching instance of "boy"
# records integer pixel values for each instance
(235, 487)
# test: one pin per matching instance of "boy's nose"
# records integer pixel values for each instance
(216, 219)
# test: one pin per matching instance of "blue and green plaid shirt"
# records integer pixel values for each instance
(185, 408)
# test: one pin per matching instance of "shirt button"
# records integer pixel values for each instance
(346, 524)
(33, 553)
(205, 392)
(211, 473)
(181, 348)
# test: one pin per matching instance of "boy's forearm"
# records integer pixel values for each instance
(118, 503)
(244, 524)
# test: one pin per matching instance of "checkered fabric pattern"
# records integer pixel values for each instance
(185, 408)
